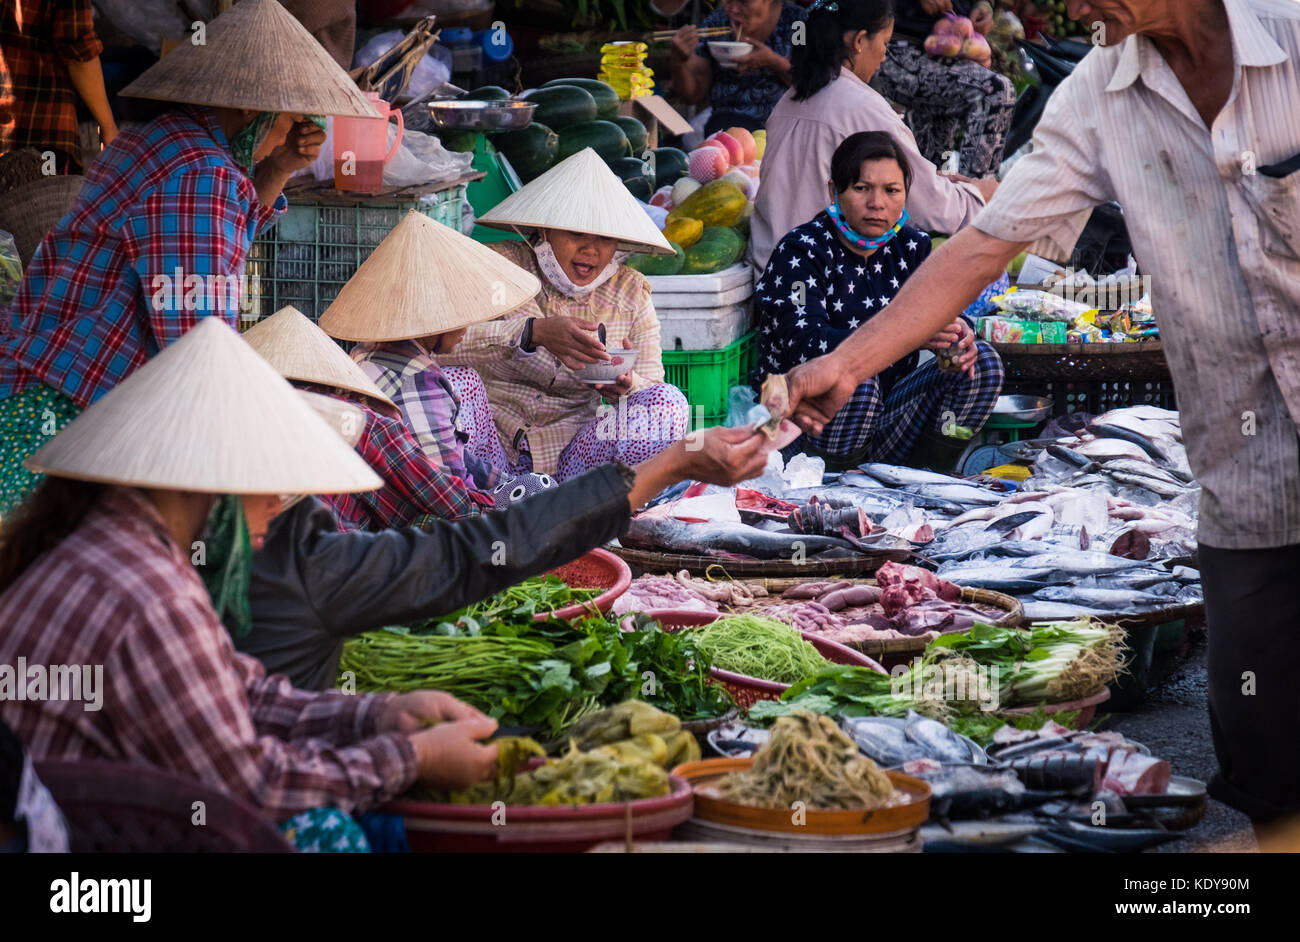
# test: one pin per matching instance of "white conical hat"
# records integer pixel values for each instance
(206, 414)
(344, 417)
(580, 194)
(255, 56)
(300, 350)
(425, 279)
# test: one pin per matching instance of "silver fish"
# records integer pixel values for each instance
(937, 740)
(1159, 488)
(963, 495)
(1036, 610)
(1115, 600)
(883, 739)
(898, 476)
(660, 533)
(1081, 563)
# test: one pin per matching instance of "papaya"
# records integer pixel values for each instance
(683, 230)
(719, 204)
(717, 249)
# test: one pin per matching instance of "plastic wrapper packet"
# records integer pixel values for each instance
(11, 268)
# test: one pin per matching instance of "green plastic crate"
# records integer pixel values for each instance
(308, 255)
(706, 377)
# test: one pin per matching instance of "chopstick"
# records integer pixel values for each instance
(665, 35)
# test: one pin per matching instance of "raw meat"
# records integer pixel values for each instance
(1130, 773)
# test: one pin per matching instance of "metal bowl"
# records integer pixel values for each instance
(1023, 408)
(481, 115)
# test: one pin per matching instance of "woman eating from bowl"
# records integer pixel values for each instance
(743, 75)
(547, 364)
(410, 303)
(840, 269)
(158, 235)
(96, 569)
(846, 43)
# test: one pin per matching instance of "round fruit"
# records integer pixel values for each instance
(735, 153)
(684, 188)
(747, 143)
(708, 163)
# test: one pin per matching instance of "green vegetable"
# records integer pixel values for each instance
(488, 93)
(846, 690)
(1047, 663)
(758, 647)
(520, 602)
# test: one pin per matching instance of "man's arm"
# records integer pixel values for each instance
(88, 79)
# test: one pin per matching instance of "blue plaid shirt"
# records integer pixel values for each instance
(156, 240)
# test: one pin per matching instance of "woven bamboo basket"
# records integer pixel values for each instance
(1144, 360)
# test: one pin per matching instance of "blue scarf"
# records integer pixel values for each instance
(862, 241)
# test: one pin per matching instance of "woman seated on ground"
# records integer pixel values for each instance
(410, 300)
(582, 222)
(952, 105)
(742, 92)
(310, 587)
(846, 44)
(101, 573)
(830, 275)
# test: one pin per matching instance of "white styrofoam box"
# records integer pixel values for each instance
(739, 274)
(711, 328)
(694, 300)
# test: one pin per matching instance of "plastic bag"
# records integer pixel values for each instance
(739, 401)
(804, 471)
(11, 268)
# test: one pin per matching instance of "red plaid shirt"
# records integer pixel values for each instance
(414, 486)
(119, 593)
(155, 241)
(38, 105)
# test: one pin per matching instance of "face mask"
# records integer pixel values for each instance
(554, 272)
(861, 241)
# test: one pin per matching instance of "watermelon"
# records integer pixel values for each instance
(605, 97)
(561, 106)
(659, 264)
(604, 137)
(635, 131)
(717, 249)
(635, 176)
(488, 93)
(531, 150)
(461, 142)
(671, 165)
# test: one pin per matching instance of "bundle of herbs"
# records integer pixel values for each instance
(540, 674)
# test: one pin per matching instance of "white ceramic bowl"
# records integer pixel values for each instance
(597, 374)
(728, 52)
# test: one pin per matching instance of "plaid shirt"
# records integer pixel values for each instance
(414, 486)
(406, 373)
(164, 206)
(118, 592)
(38, 104)
(537, 393)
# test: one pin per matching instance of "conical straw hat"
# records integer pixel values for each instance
(344, 417)
(425, 279)
(255, 56)
(300, 350)
(206, 414)
(580, 194)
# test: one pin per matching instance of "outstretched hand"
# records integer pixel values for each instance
(818, 389)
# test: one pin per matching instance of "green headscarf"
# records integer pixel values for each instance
(228, 564)
(249, 138)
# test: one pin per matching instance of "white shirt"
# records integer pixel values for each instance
(1219, 240)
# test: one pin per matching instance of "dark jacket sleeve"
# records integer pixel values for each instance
(359, 581)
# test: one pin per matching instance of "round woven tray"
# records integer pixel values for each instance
(896, 650)
(654, 562)
(1097, 362)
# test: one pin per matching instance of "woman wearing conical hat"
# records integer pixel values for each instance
(158, 234)
(409, 304)
(96, 570)
(581, 223)
(312, 586)
(416, 490)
